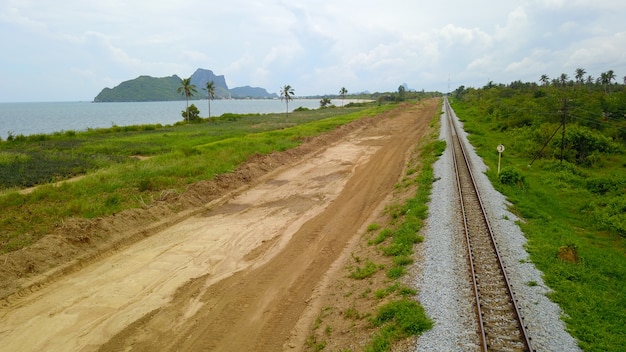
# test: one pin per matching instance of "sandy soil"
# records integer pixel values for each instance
(240, 264)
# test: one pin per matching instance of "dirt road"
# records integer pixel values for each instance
(238, 277)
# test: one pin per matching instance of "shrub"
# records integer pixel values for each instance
(602, 185)
(191, 114)
(511, 176)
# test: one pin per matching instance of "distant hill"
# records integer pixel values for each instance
(142, 88)
(251, 92)
(200, 79)
(147, 88)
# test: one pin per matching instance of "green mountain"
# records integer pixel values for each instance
(251, 92)
(146, 88)
(142, 88)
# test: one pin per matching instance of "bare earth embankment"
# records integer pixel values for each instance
(242, 268)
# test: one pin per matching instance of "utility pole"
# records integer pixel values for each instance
(563, 119)
(561, 125)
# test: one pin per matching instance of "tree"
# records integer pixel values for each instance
(545, 80)
(401, 93)
(324, 102)
(563, 79)
(580, 75)
(191, 114)
(342, 92)
(210, 89)
(187, 89)
(610, 75)
(605, 79)
(286, 93)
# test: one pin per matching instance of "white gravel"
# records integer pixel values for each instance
(442, 277)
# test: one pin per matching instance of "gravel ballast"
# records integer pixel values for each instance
(442, 276)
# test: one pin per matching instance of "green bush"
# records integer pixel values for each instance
(191, 114)
(604, 184)
(511, 177)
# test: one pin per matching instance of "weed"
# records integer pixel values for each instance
(367, 270)
(382, 293)
(373, 227)
(395, 272)
(382, 236)
(352, 314)
(398, 320)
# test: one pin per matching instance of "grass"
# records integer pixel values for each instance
(398, 319)
(179, 155)
(567, 208)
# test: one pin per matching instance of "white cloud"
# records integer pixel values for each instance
(365, 44)
(454, 35)
(599, 53)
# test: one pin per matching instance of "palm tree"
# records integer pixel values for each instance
(545, 79)
(342, 92)
(610, 75)
(210, 89)
(580, 75)
(563, 79)
(605, 80)
(286, 93)
(187, 89)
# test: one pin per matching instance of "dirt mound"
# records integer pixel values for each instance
(77, 242)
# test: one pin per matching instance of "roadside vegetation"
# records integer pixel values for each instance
(563, 170)
(376, 298)
(130, 167)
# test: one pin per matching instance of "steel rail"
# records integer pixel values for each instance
(483, 336)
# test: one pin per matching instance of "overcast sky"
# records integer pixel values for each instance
(69, 50)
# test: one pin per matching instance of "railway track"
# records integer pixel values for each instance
(501, 326)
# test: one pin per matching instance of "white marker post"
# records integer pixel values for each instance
(500, 149)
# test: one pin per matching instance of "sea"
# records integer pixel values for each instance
(50, 117)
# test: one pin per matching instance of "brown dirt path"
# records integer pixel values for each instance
(238, 277)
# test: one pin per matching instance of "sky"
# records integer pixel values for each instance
(70, 50)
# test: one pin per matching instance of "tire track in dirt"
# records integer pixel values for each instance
(256, 309)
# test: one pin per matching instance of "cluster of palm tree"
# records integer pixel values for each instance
(187, 89)
(605, 79)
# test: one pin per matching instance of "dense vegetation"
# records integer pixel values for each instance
(563, 171)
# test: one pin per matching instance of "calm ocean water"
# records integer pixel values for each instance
(35, 118)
